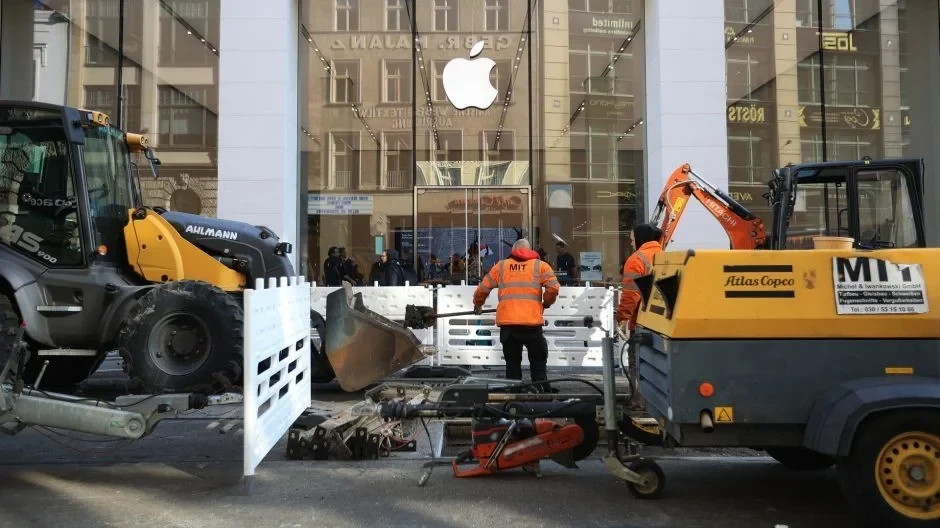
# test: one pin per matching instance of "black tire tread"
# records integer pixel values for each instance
(218, 300)
(643, 464)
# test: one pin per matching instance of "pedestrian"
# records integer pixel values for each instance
(394, 273)
(519, 313)
(645, 243)
(565, 265)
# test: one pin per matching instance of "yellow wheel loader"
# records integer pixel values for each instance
(89, 269)
(824, 356)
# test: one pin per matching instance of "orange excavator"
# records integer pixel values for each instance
(877, 203)
(744, 228)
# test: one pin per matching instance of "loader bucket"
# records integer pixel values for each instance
(363, 347)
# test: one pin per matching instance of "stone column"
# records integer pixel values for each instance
(786, 59)
(686, 107)
(258, 106)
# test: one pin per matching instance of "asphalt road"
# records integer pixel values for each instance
(188, 473)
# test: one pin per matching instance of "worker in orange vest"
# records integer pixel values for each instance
(519, 313)
(644, 241)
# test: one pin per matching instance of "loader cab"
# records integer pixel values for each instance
(878, 203)
(66, 185)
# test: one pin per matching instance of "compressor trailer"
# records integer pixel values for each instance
(820, 357)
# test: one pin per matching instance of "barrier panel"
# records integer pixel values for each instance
(387, 301)
(474, 340)
(277, 364)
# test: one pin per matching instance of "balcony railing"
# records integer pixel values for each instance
(397, 180)
(342, 180)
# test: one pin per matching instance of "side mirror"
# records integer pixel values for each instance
(154, 163)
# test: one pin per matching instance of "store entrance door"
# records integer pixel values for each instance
(465, 230)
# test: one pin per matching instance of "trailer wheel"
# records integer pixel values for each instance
(800, 458)
(184, 336)
(892, 475)
(320, 369)
(654, 474)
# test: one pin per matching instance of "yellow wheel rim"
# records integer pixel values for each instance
(908, 474)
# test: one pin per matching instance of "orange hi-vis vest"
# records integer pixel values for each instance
(520, 283)
(639, 264)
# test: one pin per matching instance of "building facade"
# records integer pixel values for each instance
(334, 123)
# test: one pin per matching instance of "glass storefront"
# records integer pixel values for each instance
(400, 153)
(151, 65)
(824, 80)
(394, 152)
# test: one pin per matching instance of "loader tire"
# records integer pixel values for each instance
(63, 372)
(321, 371)
(184, 336)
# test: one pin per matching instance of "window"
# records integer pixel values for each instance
(807, 13)
(397, 82)
(808, 81)
(437, 94)
(602, 6)
(497, 15)
(345, 81)
(101, 27)
(501, 76)
(749, 156)
(179, 45)
(445, 15)
(849, 81)
(448, 152)
(185, 120)
(816, 213)
(347, 15)
(102, 99)
(589, 60)
(748, 78)
(38, 204)
(345, 153)
(395, 15)
(886, 218)
(497, 150)
(843, 145)
(398, 160)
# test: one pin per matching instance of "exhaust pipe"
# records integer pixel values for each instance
(706, 422)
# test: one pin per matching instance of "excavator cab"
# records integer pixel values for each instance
(877, 203)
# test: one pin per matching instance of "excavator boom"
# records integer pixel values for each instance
(744, 229)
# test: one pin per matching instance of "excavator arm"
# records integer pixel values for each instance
(744, 229)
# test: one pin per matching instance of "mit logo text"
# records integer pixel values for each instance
(862, 270)
(517, 267)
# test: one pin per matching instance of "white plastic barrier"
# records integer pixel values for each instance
(277, 364)
(387, 301)
(474, 340)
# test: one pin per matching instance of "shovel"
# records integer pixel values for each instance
(419, 317)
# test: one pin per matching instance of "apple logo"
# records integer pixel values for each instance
(467, 82)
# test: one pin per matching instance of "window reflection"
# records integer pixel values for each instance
(838, 83)
(379, 126)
